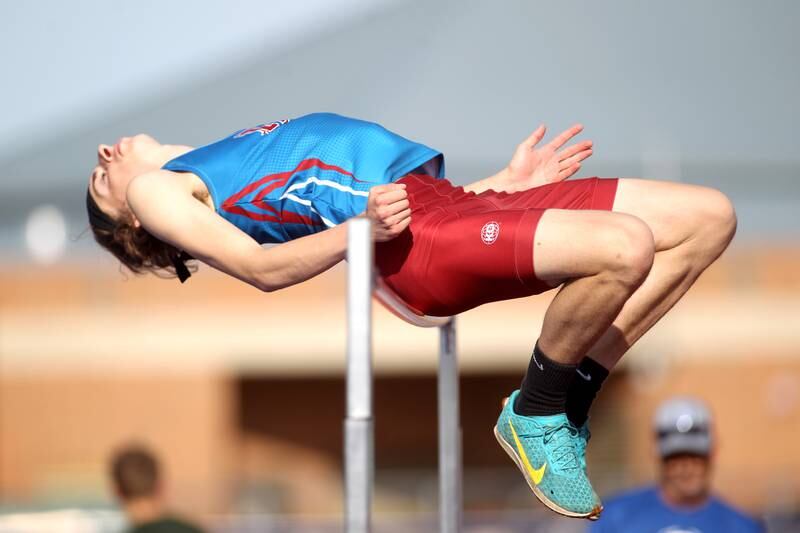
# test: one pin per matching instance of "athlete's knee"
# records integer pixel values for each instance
(630, 249)
(712, 222)
(719, 217)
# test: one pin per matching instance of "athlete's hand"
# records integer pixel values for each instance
(534, 165)
(388, 209)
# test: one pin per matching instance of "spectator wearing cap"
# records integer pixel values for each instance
(682, 501)
(139, 488)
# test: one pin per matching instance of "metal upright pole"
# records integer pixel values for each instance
(358, 430)
(450, 498)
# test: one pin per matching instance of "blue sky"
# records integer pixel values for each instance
(64, 60)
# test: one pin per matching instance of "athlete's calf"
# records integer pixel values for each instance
(601, 258)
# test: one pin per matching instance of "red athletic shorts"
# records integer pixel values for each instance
(464, 249)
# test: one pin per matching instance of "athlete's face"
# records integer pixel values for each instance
(117, 165)
(686, 478)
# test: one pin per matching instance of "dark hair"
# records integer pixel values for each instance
(135, 472)
(135, 247)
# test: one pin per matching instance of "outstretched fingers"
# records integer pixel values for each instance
(566, 172)
(570, 157)
(535, 137)
(575, 149)
(577, 158)
(562, 138)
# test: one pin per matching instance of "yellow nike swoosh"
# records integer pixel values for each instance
(536, 473)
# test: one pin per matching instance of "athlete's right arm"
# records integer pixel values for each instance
(165, 210)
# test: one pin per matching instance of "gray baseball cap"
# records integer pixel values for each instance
(683, 425)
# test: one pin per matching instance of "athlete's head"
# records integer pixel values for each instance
(113, 224)
(683, 434)
(117, 165)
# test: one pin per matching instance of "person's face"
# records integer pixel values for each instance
(687, 477)
(117, 165)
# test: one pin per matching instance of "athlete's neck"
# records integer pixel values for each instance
(169, 152)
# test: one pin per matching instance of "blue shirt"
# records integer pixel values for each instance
(643, 511)
(290, 178)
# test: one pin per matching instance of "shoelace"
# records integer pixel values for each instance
(563, 436)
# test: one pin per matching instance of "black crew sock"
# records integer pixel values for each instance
(544, 390)
(590, 377)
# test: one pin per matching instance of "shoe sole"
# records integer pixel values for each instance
(594, 514)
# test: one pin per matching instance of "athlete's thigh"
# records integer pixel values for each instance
(571, 244)
(482, 256)
(479, 256)
(672, 210)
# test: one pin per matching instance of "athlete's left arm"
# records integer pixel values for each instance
(533, 166)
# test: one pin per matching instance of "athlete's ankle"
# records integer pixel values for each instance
(589, 377)
(544, 390)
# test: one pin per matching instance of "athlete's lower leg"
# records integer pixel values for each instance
(690, 233)
(601, 258)
(691, 227)
(607, 260)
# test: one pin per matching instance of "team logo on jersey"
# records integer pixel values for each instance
(489, 232)
(262, 129)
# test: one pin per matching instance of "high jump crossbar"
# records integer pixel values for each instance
(359, 451)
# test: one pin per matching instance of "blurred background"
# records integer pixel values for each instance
(241, 393)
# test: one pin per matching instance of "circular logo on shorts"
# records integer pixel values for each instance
(489, 232)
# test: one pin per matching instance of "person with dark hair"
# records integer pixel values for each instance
(136, 478)
(622, 251)
(682, 501)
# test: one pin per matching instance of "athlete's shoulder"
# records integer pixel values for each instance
(146, 181)
(736, 521)
(149, 185)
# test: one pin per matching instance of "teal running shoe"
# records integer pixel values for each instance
(583, 440)
(547, 450)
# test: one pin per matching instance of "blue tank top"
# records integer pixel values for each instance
(290, 178)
